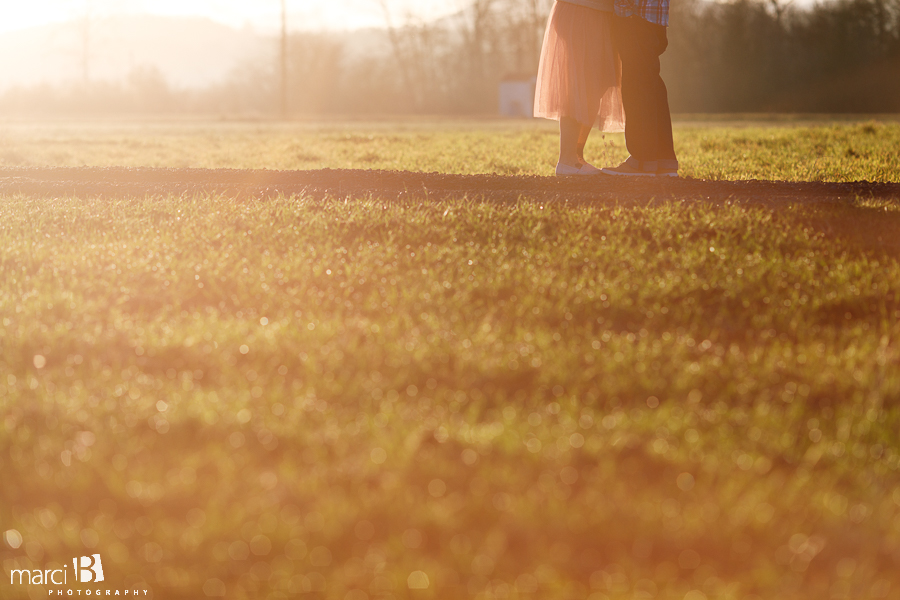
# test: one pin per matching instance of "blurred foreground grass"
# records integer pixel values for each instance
(373, 400)
(741, 149)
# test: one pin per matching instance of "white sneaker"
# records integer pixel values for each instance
(585, 169)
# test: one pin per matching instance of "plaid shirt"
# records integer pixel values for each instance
(655, 11)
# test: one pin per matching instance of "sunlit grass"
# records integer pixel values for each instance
(803, 151)
(828, 152)
(518, 401)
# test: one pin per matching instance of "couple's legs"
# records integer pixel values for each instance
(648, 124)
(572, 138)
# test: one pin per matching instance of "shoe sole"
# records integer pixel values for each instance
(619, 173)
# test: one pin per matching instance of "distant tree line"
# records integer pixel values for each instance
(734, 56)
(754, 56)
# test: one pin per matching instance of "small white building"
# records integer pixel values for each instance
(517, 95)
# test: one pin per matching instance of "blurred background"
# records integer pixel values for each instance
(302, 59)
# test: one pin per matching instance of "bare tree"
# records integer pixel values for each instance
(283, 54)
(523, 32)
(86, 43)
(779, 8)
(478, 33)
(402, 56)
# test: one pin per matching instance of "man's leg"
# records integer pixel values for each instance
(665, 144)
(648, 124)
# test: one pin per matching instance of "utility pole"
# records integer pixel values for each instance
(284, 61)
(86, 43)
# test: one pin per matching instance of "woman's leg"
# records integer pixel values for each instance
(570, 144)
(582, 140)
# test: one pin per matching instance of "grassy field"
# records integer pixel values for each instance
(746, 149)
(365, 399)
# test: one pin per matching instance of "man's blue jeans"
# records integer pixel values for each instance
(648, 124)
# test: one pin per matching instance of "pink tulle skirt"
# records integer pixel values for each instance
(580, 74)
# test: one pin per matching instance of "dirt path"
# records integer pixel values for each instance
(117, 181)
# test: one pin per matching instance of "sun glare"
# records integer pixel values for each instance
(265, 14)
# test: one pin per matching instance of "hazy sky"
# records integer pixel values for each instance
(261, 14)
